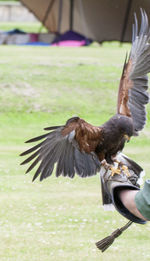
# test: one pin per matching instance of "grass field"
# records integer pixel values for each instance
(60, 219)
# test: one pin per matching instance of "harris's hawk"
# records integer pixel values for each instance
(79, 147)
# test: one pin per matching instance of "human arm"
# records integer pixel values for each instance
(127, 197)
(137, 202)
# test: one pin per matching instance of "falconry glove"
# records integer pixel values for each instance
(111, 186)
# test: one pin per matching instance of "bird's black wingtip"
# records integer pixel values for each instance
(52, 128)
(33, 178)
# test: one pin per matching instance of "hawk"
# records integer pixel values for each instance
(79, 147)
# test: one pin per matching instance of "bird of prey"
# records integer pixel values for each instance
(79, 147)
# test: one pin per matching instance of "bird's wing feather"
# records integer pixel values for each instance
(133, 95)
(70, 146)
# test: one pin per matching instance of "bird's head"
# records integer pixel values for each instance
(125, 126)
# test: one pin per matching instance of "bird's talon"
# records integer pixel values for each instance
(115, 171)
(125, 170)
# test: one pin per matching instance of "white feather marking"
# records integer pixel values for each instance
(71, 136)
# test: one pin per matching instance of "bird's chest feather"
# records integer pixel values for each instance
(112, 143)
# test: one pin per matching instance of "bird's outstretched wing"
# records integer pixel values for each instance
(70, 146)
(133, 95)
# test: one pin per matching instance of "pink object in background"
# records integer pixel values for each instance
(70, 43)
(33, 38)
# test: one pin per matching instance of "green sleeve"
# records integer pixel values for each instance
(142, 200)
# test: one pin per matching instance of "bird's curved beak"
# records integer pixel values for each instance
(126, 137)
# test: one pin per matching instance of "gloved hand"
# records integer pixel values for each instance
(111, 185)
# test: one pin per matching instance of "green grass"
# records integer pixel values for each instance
(28, 27)
(60, 219)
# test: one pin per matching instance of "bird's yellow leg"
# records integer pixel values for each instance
(125, 170)
(115, 171)
(121, 166)
(110, 167)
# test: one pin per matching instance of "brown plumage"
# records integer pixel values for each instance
(79, 147)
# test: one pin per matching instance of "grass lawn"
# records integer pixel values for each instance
(60, 219)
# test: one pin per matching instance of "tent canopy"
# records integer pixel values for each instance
(98, 20)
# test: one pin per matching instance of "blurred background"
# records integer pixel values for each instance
(71, 22)
(59, 59)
